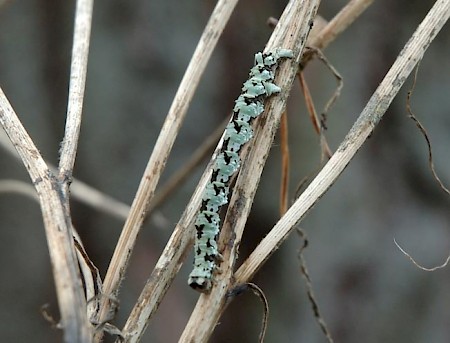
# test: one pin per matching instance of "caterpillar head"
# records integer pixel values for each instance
(200, 283)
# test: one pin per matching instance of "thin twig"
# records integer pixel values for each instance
(78, 70)
(320, 124)
(285, 166)
(325, 149)
(339, 79)
(239, 289)
(419, 125)
(309, 287)
(367, 121)
(431, 164)
(443, 265)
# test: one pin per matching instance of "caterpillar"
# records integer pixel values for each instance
(248, 106)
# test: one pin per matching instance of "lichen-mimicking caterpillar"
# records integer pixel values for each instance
(249, 105)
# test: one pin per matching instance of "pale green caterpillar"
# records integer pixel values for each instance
(249, 105)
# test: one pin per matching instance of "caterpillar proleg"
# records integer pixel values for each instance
(248, 106)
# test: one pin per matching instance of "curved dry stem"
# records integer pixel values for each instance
(368, 119)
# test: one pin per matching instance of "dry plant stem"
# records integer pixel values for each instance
(167, 266)
(309, 103)
(285, 165)
(80, 51)
(422, 130)
(92, 281)
(432, 269)
(69, 290)
(18, 187)
(309, 288)
(290, 33)
(340, 22)
(80, 190)
(336, 26)
(204, 150)
(262, 297)
(368, 119)
(78, 70)
(163, 146)
(325, 149)
(98, 200)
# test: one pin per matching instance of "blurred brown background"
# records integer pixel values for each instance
(367, 290)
